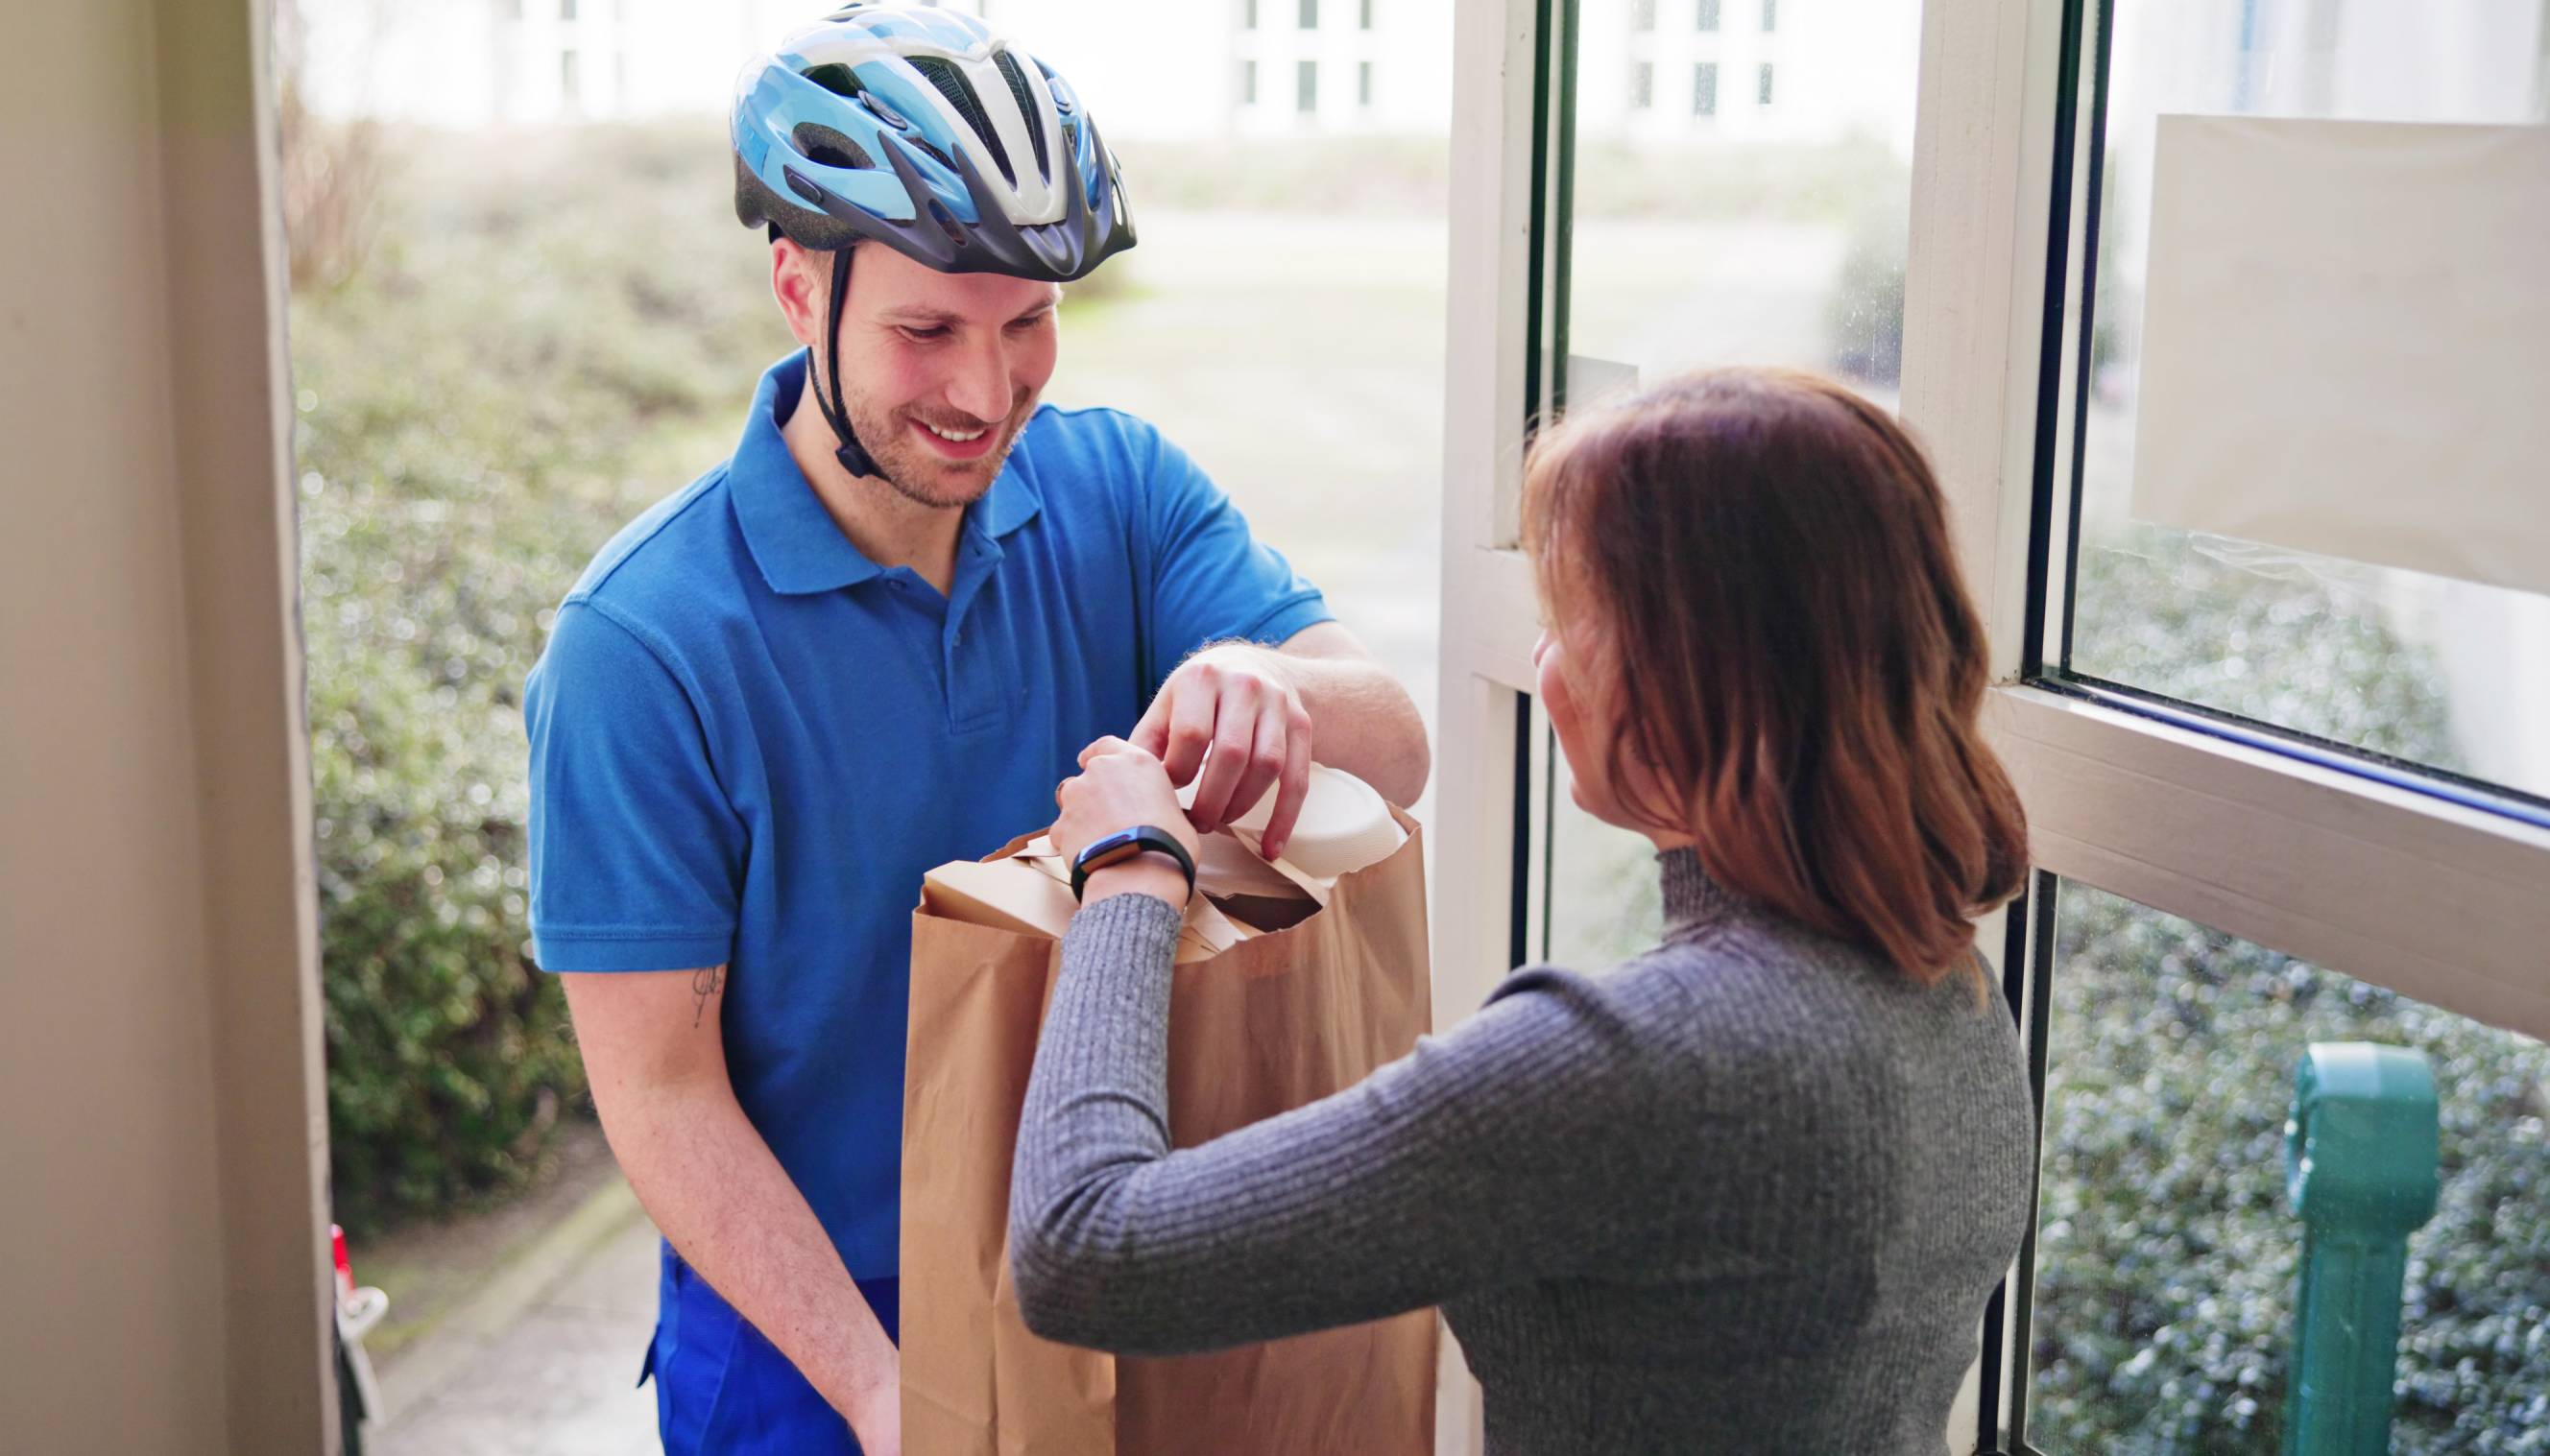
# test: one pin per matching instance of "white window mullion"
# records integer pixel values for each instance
(1487, 603)
(1983, 165)
(1974, 287)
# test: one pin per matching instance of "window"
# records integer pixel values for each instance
(2301, 592)
(1770, 16)
(566, 9)
(1248, 15)
(1642, 84)
(1249, 84)
(1363, 84)
(1305, 87)
(2231, 747)
(1365, 20)
(1642, 15)
(1309, 15)
(569, 80)
(1703, 88)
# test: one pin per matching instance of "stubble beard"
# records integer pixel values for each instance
(919, 474)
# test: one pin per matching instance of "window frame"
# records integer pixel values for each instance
(2378, 876)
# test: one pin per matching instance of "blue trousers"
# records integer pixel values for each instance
(723, 1389)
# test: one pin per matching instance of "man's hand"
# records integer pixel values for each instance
(1238, 701)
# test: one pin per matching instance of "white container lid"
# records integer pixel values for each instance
(1344, 826)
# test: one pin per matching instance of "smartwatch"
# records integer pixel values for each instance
(1125, 844)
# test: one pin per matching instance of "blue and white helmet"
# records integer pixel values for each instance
(928, 131)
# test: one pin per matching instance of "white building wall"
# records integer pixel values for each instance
(1168, 70)
(1153, 69)
(1837, 68)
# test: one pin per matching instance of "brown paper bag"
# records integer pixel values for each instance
(1262, 1020)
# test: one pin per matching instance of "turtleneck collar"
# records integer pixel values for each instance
(1692, 899)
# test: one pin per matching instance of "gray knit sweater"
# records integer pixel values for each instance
(1746, 1191)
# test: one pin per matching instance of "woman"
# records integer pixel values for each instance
(1747, 1192)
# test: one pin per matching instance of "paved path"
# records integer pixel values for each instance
(542, 1362)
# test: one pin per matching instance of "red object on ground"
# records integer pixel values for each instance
(344, 1265)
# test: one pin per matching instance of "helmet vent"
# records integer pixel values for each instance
(821, 143)
(835, 77)
(952, 84)
(1026, 108)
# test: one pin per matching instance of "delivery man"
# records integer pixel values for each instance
(872, 641)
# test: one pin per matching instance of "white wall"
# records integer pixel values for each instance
(1164, 70)
(159, 1111)
(1839, 67)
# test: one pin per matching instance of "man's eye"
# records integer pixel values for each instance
(925, 336)
(1024, 325)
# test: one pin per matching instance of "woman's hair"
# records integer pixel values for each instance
(1763, 557)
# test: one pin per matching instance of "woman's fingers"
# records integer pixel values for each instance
(1103, 747)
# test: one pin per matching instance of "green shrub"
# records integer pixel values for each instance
(499, 388)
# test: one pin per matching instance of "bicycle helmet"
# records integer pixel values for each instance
(930, 132)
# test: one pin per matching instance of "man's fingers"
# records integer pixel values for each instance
(1234, 731)
(1190, 722)
(1291, 787)
(1265, 766)
(1151, 734)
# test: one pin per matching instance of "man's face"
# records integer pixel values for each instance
(940, 371)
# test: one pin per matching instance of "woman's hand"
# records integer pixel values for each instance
(1120, 786)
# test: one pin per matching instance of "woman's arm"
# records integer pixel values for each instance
(1510, 1150)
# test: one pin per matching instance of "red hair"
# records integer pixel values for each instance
(1763, 557)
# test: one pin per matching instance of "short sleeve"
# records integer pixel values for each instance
(1211, 581)
(637, 853)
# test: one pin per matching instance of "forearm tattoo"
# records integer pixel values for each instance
(703, 984)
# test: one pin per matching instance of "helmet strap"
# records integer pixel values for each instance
(853, 457)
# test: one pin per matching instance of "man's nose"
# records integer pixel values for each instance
(981, 385)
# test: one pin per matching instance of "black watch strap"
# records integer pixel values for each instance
(1123, 846)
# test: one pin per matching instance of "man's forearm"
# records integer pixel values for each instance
(1362, 721)
(711, 1183)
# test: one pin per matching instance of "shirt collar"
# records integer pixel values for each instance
(792, 537)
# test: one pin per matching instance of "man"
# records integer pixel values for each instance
(874, 641)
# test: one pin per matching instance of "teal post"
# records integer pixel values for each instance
(2360, 1169)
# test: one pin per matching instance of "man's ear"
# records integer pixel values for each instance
(801, 280)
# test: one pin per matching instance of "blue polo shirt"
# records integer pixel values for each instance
(749, 741)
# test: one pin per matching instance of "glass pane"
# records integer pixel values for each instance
(2453, 674)
(1722, 226)
(2167, 1252)
(1602, 898)
(1712, 225)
